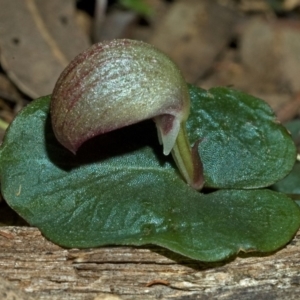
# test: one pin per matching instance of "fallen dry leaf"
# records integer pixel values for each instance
(193, 33)
(290, 4)
(37, 40)
(270, 53)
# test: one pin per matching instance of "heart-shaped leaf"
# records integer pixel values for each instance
(243, 146)
(118, 189)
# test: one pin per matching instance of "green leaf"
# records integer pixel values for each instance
(291, 183)
(139, 6)
(243, 146)
(120, 190)
(294, 128)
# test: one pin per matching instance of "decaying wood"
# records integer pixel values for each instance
(46, 271)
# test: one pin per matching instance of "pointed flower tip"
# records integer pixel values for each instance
(168, 128)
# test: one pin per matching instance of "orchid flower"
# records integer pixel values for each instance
(118, 83)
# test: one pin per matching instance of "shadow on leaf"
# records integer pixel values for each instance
(112, 144)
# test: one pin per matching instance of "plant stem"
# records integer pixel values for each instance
(188, 160)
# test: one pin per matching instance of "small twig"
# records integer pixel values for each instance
(100, 9)
(8, 98)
